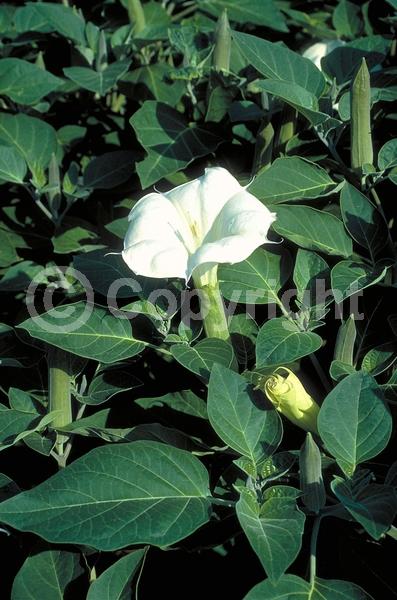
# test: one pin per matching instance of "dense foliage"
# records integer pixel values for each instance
(136, 450)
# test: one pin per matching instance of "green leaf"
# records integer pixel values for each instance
(109, 170)
(291, 178)
(34, 139)
(379, 359)
(309, 270)
(168, 139)
(77, 238)
(346, 20)
(349, 277)
(62, 19)
(86, 330)
(274, 529)
(24, 82)
(26, 18)
(102, 271)
(294, 588)
(46, 574)
(185, 402)
(99, 82)
(12, 165)
(243, 421)
(107, 384)
(374, 507)
(339, 370)
(114, 496)
(354, 422)
(313, 229)
(115, 582)
(387, 157)
(18, 277)
(280, 342)
(201, 357)
(256, 280)
(151, 82)
(259, 12)
(278, 62)
(342, 62)
(363, 221)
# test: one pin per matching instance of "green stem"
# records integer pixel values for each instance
(59, 393)
(211, 305)
(136, 15)
(313, 549)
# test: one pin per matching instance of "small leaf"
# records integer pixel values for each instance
(185, 402)
(280, 342)
(46, 574)
(274, 529)
(24, 82)
(12, 166)
(109, 170)
(202, 356)
(348, 278)
(99, 82)
(115, 582)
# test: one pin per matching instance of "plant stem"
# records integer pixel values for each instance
(213, 311)
(320, 372)
(313, 549)
(59, 393)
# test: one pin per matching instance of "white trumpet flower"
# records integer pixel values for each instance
(315, 52)
(194, 227)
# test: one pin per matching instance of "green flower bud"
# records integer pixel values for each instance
(311, 479)
(223, 42)
(360, 125)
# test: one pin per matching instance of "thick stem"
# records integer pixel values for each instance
(59, 384)
(211, 305)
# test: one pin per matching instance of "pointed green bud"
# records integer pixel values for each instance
(54, 185)
(311, 479)
(39, 62)
(223, 42)
(101, 61)
(136, 15)
(360, 126)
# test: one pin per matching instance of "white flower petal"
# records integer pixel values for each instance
(200, 201)
(241, 226)
(152, 258)
(154, 243)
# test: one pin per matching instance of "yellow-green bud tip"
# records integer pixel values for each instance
(289, 397)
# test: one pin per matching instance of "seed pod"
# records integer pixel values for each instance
(223, 42)
(360, 119)
(311, 479)
(290, 398)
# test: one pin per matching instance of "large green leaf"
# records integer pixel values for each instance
(34, 139)
(374, 507)
(291, 178)
(63, 19)
(354, 421)
(99, 82)
(202, 356)
(24, 82)
(46, 574)
(168, 139)
(12, 165)
(256, 280)
(363, 220)
(274, 529)
(243, 421)
(115, 582)
(151, 82)
(310, 270)
(346, 19)
(291, 587)
(260, 12)
(349, 277)
(86, 330)
(280, 341)
(278, 62)
(117, 495)
(313, 229)
(110, 169)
